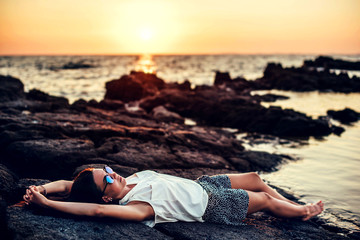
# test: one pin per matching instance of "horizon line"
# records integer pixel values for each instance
(167, 54)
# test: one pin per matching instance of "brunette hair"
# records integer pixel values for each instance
(84, 188)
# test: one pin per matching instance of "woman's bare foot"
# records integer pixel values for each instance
(313, 210)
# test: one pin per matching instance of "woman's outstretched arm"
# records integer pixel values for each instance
(136, 211)
(60, 186)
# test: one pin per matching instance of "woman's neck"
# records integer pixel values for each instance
(127, 189)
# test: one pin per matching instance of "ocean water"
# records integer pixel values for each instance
(328, 169)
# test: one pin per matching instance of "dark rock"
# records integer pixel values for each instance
(93, 103)
(79, 105)
(78, 65)
(29, 223)
(10, 89)
(330, 63)
(21, 186)
(41, 125)
(304, 79)
(148, 79)
(194, 158)
(125, 89)
(8, 181)
(95, 161)
(177, 149)
(106, 104)
(270, 97)
(162, 114)
(141, 154)
(47, 158)
(354, 235)
(215, 108)
(345, 116)
(256, 161)
(241, 85)
(222, 78)
(49, 103)
(111, 104)
(206, 139)
(337, 130)
(133, 87)
(3, 223)
(200, 88)
(179, 100)
(72, 65)
(22, 132)
(185, 86)
(300, 125)
(135, 119)
(259, 226)
(10, 193)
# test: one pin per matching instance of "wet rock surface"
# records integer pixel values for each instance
(259, 226)
(43, 136)
(26, 223)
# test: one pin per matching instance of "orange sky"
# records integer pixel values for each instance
(179, 26)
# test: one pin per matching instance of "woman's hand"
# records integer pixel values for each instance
(26, 197)
(34, 196)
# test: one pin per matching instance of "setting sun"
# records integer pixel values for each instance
(146, 34)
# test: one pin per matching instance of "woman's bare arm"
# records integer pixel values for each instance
(137, 211)
(60, 186)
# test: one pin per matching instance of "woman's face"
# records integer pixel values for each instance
(114, 190)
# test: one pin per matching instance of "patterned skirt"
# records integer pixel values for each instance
(226, 205)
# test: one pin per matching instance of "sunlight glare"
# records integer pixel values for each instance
(146, 34)
(146, 64)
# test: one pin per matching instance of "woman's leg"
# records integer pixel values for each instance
(259, 201)
(253, 182)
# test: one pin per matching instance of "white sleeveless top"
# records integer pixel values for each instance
(172, 198)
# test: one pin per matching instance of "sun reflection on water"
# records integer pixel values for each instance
(145, 64)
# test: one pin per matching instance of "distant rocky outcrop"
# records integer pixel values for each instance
(345, 116)
(239, 84)
(331, 63)
(306, 79)
(72, 65)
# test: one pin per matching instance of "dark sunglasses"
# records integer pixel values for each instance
(107, 179)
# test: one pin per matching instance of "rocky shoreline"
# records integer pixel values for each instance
(140, 125)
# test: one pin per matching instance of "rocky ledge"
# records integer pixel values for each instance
(312, 76)
(44, 138)
(326, 62)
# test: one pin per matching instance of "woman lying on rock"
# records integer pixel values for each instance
(155, 198)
